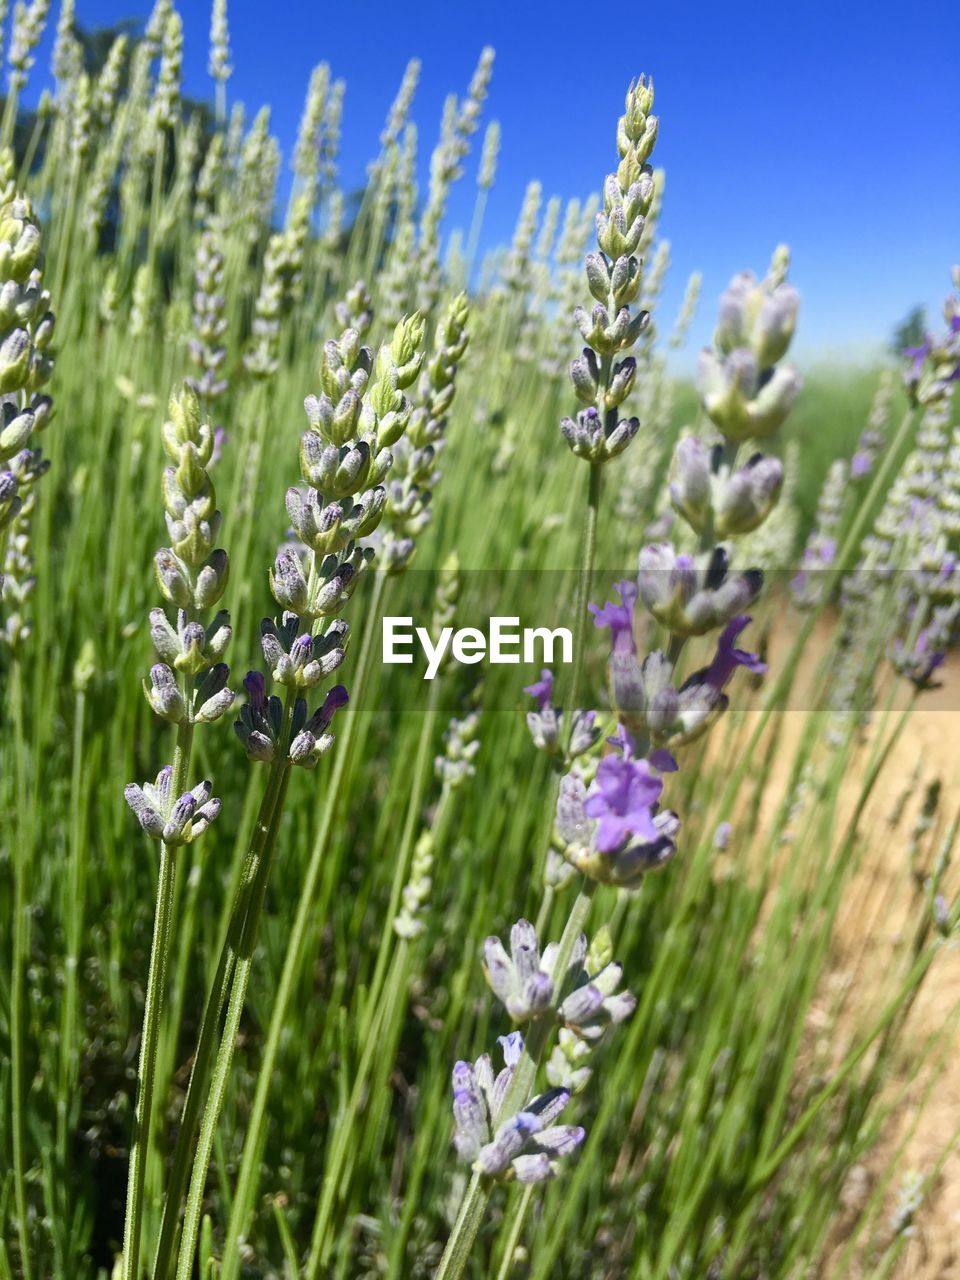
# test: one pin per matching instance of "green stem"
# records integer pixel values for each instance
(210, 1026)
(517, 1219)
(69, 1027)
(156, 980)
(21, 951)
(879, 484)
(401, 862)
(384, 1011)
(249, 1162)
(228, 1041)
(9, 116)
(839, 1078)
(588, 553)
(152, 1011)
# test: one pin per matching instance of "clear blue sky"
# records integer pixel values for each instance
(832, 126)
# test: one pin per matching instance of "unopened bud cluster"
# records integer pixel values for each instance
(207, 351)
(414, 473)
(359, 415)
(604, 374)
(526, 1146)
(282, 265)
(26, 363)
(188, 685)
(745, 390)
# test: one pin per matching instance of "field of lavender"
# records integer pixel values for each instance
(581, 964)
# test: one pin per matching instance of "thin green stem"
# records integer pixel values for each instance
(249, 1162)
(517, 1219)
(228, 1041)
(402, 859)
(770, 1166)
(210, 1025)
(152, 1013)
(69, 1028)
(156, 980)
(588, 553)
(21, 951)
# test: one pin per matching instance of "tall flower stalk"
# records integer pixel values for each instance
(187, 686)
(602, 383)
(405, 513)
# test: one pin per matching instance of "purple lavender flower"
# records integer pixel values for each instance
(622, 801)
(627, 862)
(728, 657)
(258, 727)
(545, 723)
(623, 740)
(919, 663)
(917, 355)
(542, 690)
(309, 739)
(626, 683)
(618, 617)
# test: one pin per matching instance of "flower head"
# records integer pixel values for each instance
(175, 820)
(617, 802)
(518, 979)
(525, 1147)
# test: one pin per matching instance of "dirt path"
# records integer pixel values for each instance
(879, 916)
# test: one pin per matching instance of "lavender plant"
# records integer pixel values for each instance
(698, 1066)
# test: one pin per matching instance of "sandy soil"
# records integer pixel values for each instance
(879, 916)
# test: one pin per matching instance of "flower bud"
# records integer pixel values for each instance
(288, 584)
(164, 695)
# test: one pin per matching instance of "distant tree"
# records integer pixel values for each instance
(911, 330)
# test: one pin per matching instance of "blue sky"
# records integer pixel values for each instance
(834, 127)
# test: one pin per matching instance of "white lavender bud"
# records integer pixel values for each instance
(517, 980)
(219, 66)
(408, 922)
(206, 348)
